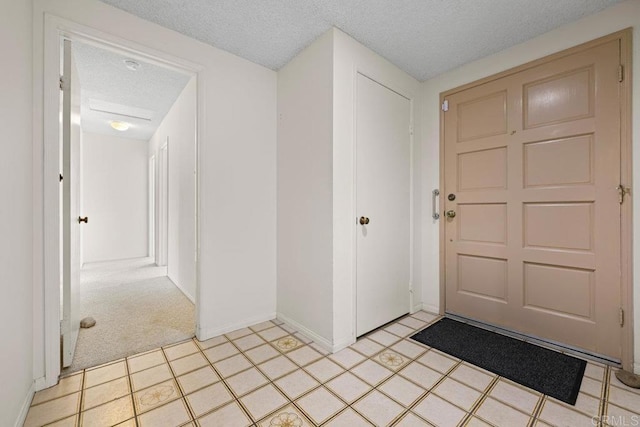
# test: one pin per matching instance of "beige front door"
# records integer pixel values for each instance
(533, 161)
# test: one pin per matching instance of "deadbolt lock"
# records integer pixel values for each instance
(364, 220)
(451, 214)
(451, 197)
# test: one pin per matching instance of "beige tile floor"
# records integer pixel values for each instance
(270, 375)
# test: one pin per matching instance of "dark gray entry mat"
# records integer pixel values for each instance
(547, 371)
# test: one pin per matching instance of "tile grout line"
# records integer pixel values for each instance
(130, 383)
(604, 401)
(537, 410)
(483, 397)
(183, 396)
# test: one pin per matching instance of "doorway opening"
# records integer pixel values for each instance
(128, 222)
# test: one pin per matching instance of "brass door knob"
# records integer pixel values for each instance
(364, 220)
(82, 219)
(451, 214)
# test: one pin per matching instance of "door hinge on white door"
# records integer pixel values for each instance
(621, 319)
(64, 84)
(620, 73)
(445, 105)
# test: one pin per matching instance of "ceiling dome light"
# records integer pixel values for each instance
(121, 126)
(131, 64)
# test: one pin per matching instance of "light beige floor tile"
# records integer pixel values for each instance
(289, 329)
(246, 381)
(248, 342)
(239, 333)
(172, 414)
(453, 391)
(211, 342)
(499, 414)
(399, 330)
(594, 371)
(348, 387)
(302, 338)
(372, 372)
(317, 347)
(423, 376)
(435, 360)
(262, 326)
(220, 352)
(625, 398)
(197, 379)
(274, 333)
(384, 338)
(296, 384)
(110, 413)
(617, 416)
(586, 404)
(53, 410)
(476, 422)
(471, 377)
(151, 376)
(412, 420)
(347, 358)
(209, 398)
(275, 368)
(614, 381)
(515, 395)
(424, 316)
(592, 387)
(286, 344)
(348, 418)
(413, 323)
(232, 365)
(287, 416)
(320, 405)
(557, 414)
(304, 355)
(105, 392)
(391, 359)
(183, 349)
(145, 361)
(378, 408)
(155, 396)
(402, 390)
(72, 421)
(188, 363)
(367, 347)
(324, 369)
(104, 373)
(408, 348)
(67, 385)
(262, 353)
(228, 416)
(439, 412)
(263, 401)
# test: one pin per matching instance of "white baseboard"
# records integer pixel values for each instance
(321, 341)
(416, 307)
(205, 333)
(344, 343)
(432, 309)
(22, 416)
(40, 383)
(186, 294)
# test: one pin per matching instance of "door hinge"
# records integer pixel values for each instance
(410, 130)
(61, 178)
(622, 191)
(64, 84)
(445, 105)
(621, 318)
(620, 73)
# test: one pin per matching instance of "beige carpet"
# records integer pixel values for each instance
(136, 307)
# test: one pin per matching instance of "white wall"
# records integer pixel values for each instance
(615, 18)
(179, 126)
(237, 164)
(349, 57)
(114, 198)
(16, 219)
(305, 274)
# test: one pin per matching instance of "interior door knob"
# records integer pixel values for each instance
(364, 220)
(82, 219)
(451, 214)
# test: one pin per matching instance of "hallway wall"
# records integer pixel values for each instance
(114, 198)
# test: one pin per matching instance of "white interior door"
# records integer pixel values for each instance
(71, 134)
(383, 120)
(163, 206)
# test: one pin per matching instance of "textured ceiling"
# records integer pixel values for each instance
(423, 37)
(107, 85)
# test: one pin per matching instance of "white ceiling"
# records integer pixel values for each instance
(107, 85)
(423, 37)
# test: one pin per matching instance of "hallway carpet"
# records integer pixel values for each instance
(136, 307)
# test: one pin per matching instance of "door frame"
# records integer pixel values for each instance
(151, 207)
(626, 221)
(354, 200)
(162, 206)
(55, 30)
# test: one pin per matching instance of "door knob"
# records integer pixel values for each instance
(82, 219)
(364, 220)
(451, 214)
